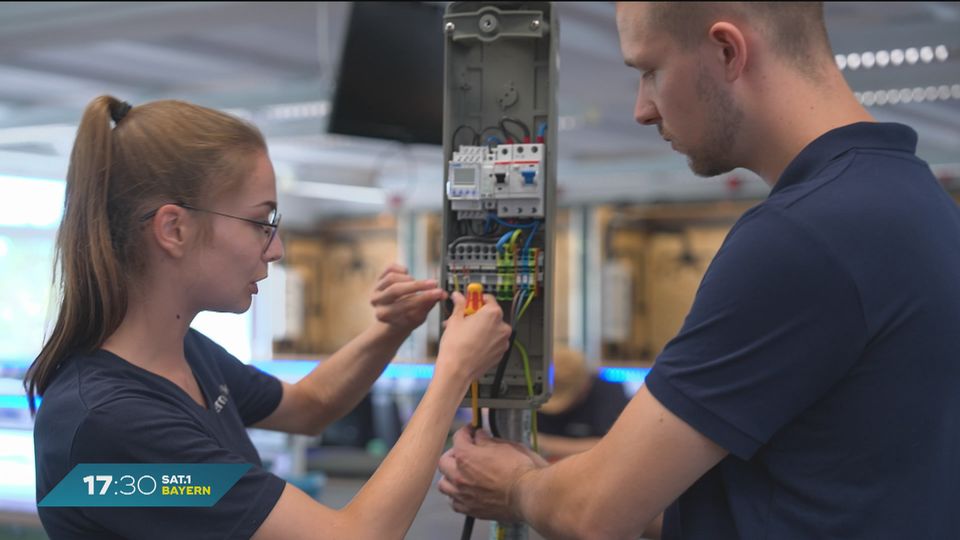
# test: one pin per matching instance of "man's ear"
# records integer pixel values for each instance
(172, 229)
(730, 47)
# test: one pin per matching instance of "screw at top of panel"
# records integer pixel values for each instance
(488, 23)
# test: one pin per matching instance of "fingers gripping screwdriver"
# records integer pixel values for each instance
(474, 303)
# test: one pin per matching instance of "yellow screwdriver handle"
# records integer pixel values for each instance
(474, 303)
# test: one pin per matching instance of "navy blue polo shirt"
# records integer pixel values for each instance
(100, 408)
(823, 351)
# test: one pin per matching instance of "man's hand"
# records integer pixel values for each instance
(403, 302)
(480, 472)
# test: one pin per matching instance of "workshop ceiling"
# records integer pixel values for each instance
(275, 63)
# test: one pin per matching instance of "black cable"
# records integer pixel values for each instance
(494, 393)
(523, 126)
(502, 367)
(453, 139)
(501, 370)
(467, 528)
(498, 380)
(511, 136)
(526, 130)
(492, 417)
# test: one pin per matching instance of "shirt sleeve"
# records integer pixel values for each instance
(256, 394)
(135, 430)
(776, 322)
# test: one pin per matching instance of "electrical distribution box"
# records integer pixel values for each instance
(500, 141)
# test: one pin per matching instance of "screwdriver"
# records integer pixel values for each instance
(474, 303)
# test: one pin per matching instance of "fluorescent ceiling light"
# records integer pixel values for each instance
(895, 57)
(336, 192)
(297, 111)
(917, 94)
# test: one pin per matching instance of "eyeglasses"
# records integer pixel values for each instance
(270, 226)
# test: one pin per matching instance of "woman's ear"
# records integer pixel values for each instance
(171, 230)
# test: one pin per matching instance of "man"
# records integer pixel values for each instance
(581, 409)
(813, 389)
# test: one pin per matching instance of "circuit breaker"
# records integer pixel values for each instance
(500, 142)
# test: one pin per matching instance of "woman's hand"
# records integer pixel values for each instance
(403, 302)
(472, 345)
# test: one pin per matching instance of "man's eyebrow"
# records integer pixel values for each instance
(271, 204)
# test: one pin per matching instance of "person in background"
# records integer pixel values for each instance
(812, 391)
(171, 209)
(581, 409)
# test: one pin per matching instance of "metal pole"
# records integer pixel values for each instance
(513, 425)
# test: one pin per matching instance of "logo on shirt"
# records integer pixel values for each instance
(222, 399)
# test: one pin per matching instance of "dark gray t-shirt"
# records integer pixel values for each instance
(102, 409)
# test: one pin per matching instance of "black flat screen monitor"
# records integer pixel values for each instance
(390, 83)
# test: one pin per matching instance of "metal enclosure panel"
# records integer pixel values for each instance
(500, 60)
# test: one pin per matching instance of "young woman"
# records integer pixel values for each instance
(171, 210)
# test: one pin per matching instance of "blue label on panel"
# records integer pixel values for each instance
(145, 484)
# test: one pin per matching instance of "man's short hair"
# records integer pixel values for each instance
(796, 30)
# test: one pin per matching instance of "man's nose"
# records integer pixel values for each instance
(645, 112)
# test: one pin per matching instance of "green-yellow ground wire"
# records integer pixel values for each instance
(529, 378)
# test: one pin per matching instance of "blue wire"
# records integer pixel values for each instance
(542, 129)
(526, 246)
(503, 240)
(514, 225)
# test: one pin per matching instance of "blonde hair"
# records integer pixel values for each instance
(157, 153)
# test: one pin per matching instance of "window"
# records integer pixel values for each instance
(30, 211)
